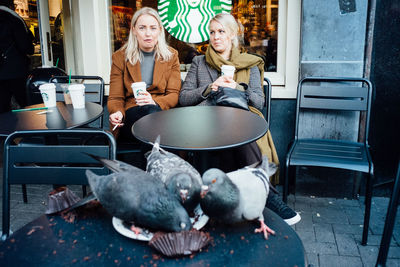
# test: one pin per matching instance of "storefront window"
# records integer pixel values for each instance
(258, 21)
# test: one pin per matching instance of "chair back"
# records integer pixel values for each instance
(319, 94)
(54, 158)
(94, 90)
(266, 111)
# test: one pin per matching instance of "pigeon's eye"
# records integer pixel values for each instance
(213, 181)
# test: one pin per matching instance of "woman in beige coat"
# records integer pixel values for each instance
(144, 58)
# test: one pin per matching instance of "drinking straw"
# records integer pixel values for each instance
(28, 109)
(69, 80)
(57, 62)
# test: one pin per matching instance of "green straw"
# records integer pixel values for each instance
(28, 109)
(57, 62)
(69, 80)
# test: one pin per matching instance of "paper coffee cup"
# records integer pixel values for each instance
(77, 93)
(138, 88)
(67, 96)
(228, 70)
(48, 92)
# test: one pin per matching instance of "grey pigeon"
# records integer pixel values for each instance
(135, 196)
(178, 175)
(237, 196)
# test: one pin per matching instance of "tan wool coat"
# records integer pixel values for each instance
(164, 90)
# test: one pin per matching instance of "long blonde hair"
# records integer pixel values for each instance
(230, 24)
(132, 52)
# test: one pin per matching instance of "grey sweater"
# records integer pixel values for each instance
(201, 75)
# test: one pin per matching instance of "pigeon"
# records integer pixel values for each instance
(133, 195)
(237, 196)
(179, 176)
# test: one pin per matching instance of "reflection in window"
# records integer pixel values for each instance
(258, 21)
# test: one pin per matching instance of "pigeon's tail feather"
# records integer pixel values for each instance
(113, 165)
(93, 180)
(156, 147)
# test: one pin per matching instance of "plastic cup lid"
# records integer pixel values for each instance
(47, 86)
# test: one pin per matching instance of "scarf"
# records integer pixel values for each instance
(242, 61)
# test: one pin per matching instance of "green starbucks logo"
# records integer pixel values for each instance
(187, 20)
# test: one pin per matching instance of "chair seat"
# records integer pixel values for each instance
(330, 153)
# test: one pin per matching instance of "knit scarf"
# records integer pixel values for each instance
(242, 61)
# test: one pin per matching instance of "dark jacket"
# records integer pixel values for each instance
(16, 43)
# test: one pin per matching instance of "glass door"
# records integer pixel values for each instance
(44, 19)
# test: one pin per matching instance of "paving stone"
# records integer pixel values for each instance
(330, 215)
(344, 202)
(306, 237)
(347, 229)
(346, 245)
(369, 254)
(354, 214)
(339, 261)
(321, 248)
(312, 259)
(394, 252)
(324, 232)
(306, 223)
(392, 263)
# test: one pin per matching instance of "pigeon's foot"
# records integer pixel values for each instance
(265, 229)
(135, 229)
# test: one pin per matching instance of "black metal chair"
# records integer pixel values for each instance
(94, 91)
(324, 95)
(48, 163)
(390, 221)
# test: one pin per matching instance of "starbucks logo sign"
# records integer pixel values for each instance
(187, 20)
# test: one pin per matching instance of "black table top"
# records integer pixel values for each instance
(91, 239)
(62, 117)
(201, 128)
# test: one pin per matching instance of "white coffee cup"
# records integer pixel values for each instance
(138, 88)
(77, 93)
(67, 96)
(228, 70)
(48, 92)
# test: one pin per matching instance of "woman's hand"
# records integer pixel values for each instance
(224, 81)
(144, 99)
(116, 119)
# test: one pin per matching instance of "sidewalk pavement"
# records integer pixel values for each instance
(330, 227)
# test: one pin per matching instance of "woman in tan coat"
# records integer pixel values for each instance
(145, 57)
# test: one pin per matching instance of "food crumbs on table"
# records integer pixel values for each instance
(223, 235)
(266, 246)
(156, 257)
(116, 261)
(61, 241)
(74, 260)
(232, 251)
(242, 237)
(31, 231)
(86, 258)
(145, 256)
(75, 241)
(286, 237)
(121, 249)
(98, 254)
(155, 265)
(83, 228)
(191, 256)
(12, 240)
(128, 258)
(54, 252)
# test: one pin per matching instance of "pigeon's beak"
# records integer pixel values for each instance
(204, 190)
(183, 193)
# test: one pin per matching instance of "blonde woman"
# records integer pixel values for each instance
(205, 76)
(145, 57)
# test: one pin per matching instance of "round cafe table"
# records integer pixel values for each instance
(60, 117)
(200, 129)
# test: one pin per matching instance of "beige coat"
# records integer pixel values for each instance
(164, 90)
